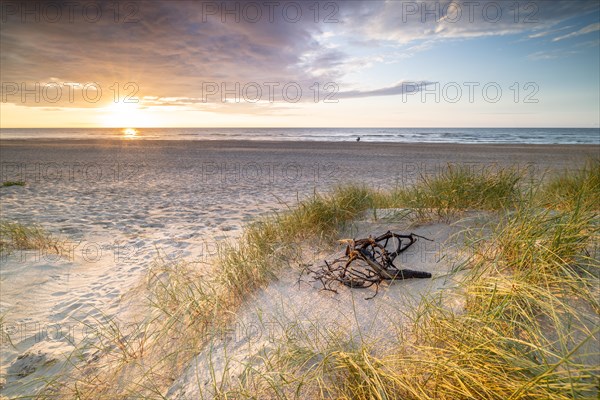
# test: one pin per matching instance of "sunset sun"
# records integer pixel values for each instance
(124, 115)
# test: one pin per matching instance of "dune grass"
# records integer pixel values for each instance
(566, 190)
(528, 330)
(530, 325)
(187, 305)
(524, 331)
(458, 188)
(13, 183)
(17, 236)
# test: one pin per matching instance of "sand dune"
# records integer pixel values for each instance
(117, 202)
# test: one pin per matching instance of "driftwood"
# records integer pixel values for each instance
(367, 263)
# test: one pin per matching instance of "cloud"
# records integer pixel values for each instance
(170, 50)
(405, 22)
(551, 54)
(546, 33)
(588, 29)
(404, 87)
(170, 41)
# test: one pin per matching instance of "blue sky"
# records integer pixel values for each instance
(175, 59)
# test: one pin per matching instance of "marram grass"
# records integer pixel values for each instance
(458, 188)
(581, 187)
(12, 183)
(17, 236)
(186, 307)
(528, 328)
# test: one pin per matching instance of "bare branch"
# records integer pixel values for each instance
(367, 262)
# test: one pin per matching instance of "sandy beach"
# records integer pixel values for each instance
(118, 204)
(346, 200)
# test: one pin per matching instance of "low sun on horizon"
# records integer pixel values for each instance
(125, 116)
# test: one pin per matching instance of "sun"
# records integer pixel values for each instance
(123, 115)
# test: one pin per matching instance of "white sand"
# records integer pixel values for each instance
(116, 202)
(285, 304)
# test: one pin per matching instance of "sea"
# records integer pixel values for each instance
(396, 135)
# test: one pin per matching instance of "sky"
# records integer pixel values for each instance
(300, 63)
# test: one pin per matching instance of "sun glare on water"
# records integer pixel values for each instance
(130, 133)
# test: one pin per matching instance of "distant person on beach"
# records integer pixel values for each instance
(358, 139)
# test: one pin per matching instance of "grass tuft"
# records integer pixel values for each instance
(460, 187)
(13, 183)
(456, 189)
(570, 188)
(16, 236)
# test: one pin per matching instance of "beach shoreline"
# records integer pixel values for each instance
(325, 164)
(259, 143)
(340, 135)
(490, 150)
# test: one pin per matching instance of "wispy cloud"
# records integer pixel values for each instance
(404, 87)
(588, 29)
(548, 32)
(551, 54)
(405, 22)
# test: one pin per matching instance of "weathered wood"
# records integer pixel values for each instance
(367, 262)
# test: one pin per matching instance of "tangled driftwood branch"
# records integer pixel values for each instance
(367, 262)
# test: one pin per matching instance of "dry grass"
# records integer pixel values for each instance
(574, 188)
(186, 306)
(17, 236)
(12, 183)
(455, 189)
(528, 329)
